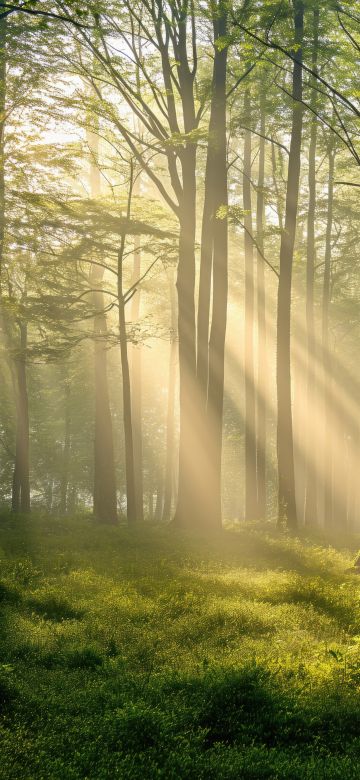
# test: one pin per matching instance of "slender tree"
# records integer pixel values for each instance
(326, 353)
(136, 377)
(65, 469)
(262, 367)
(105, 504)
(170, 415)
(311, 486)
(251, 505)
(21, 479)
(131, 507)
(3, 28)
(285, 449)
(214, 257)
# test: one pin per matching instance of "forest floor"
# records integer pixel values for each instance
(149, 654)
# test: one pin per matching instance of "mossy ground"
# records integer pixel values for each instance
(149, 654)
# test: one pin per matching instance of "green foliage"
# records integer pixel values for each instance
(131, 654)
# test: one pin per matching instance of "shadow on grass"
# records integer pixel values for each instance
(329, 604)
(9, 598)
(250, 706)
(54, 609)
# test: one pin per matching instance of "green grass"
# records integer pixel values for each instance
(153, 655)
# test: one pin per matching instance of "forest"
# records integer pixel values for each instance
(179, 421)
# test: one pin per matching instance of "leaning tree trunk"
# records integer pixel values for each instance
(285, 447)
(262, 372)
(251, 506)
(310, 515)
(21, 480)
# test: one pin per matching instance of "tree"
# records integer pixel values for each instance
(262, 372)
(310, 517)
(285, 449)
(105, 503)
(251, 504)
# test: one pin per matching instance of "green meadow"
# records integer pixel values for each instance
(151, 654)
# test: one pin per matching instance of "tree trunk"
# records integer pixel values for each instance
(285, 449)
(206, 258)
(136, 383)
(310, 515)
(21, 480)
(151, 506)
(159, 495)
(72, 500)
(187, 503)
(326, 354)
(105, 505)
(127, 407)
(104, 500)
(50, 495)
(276, 188)
(220, 273)
(170, 421)
(187, 508)
(251, 507)
(199, 491)
(211, 345)
(3, 27)
(262, 372)
(353, 470)
(64, 483)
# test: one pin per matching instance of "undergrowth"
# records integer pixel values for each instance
(149, 654)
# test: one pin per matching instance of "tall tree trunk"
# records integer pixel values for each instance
(104, 500)
(187, 508)
(285, 448)
(21, 479)
(213, 262)
(3, 27)
(170, 421)
(187, 503)
(311, 475)
(326, 353)
(206, 259)
(136, 381)
(131, 508)
(251, 506)
(65, 471)
(105, 504)
(262, 372)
